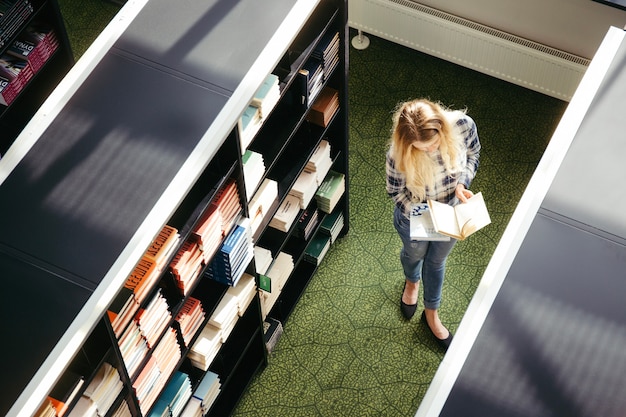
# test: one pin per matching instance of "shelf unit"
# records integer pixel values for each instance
(146, 138)
(16, 115)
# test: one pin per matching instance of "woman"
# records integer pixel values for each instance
(433, 154)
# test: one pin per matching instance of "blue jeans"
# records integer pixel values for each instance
(425, 260)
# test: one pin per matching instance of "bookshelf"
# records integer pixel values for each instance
(48, 60)
(145, 135)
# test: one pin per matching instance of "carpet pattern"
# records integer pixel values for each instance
(346, 350)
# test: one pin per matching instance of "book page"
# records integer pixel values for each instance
(444, 218)
(473, 215)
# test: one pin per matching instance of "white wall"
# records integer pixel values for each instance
(574, 26)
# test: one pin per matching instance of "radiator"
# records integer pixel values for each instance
(472, 45)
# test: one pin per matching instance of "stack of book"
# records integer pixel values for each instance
(133, 347)
(324, 107)
(190, 318)
(244, 292)
(304, 188)
(154, 318)
(317, 248)
(267, 96)
(307, 222)
(163, 246)
(233, 256)
(228, 203)
(253, 171)
(187, 264)
(174, 397)
(312, 79)
(36, 44)
(272, 330)
(204, 395)
(206, 347)
(46, 409)
(64, 392)
(133, 294)
(248, 125)
(15, 73)
(225, 315)
(330, 191)
(261, 204)
(153, 377)
(141, 280)
(259, 108)
(123, 410)
(327, 52)
(286, 213)
(262, 259)
(320, 161)
(101, 392)
(13, 14)
(332, 225)
(274, 281)
(208, 232)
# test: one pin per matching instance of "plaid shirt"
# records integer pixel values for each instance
(445, 182)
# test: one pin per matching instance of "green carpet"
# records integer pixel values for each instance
(345, 350)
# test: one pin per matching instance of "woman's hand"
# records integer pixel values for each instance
(462, 193)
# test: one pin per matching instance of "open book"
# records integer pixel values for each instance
(461, 220)
(422, 227)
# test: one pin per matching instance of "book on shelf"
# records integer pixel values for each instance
(190, 317)
(307, 222)
(244, 292)
(36, 44)
(330, 191)
(314, 73)
(234, 255)
(332, 225)
(13, 14)
(320, 161)
(207, 391)
(317, 248)
(260, 205)
(143, 278)
(462, 220)
(225, 315)
(228, 203)
(206, 347)
(65, 391)
(267, 95)
(46, 409)
(122, 310)
(286, 213)
(248, 125)
(153, 318)
(104, 388)
(324, 107)
(272, 330)
(186, 265)
(253, 171)
(208, 232)
(174, 397)
(262, 259)
(15, 73)
(304, 188)
(421, 224)
(163, 246)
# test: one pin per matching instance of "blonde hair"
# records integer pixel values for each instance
(425, 122)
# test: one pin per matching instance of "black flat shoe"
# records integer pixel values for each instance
(444, 343)
(408, 310)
